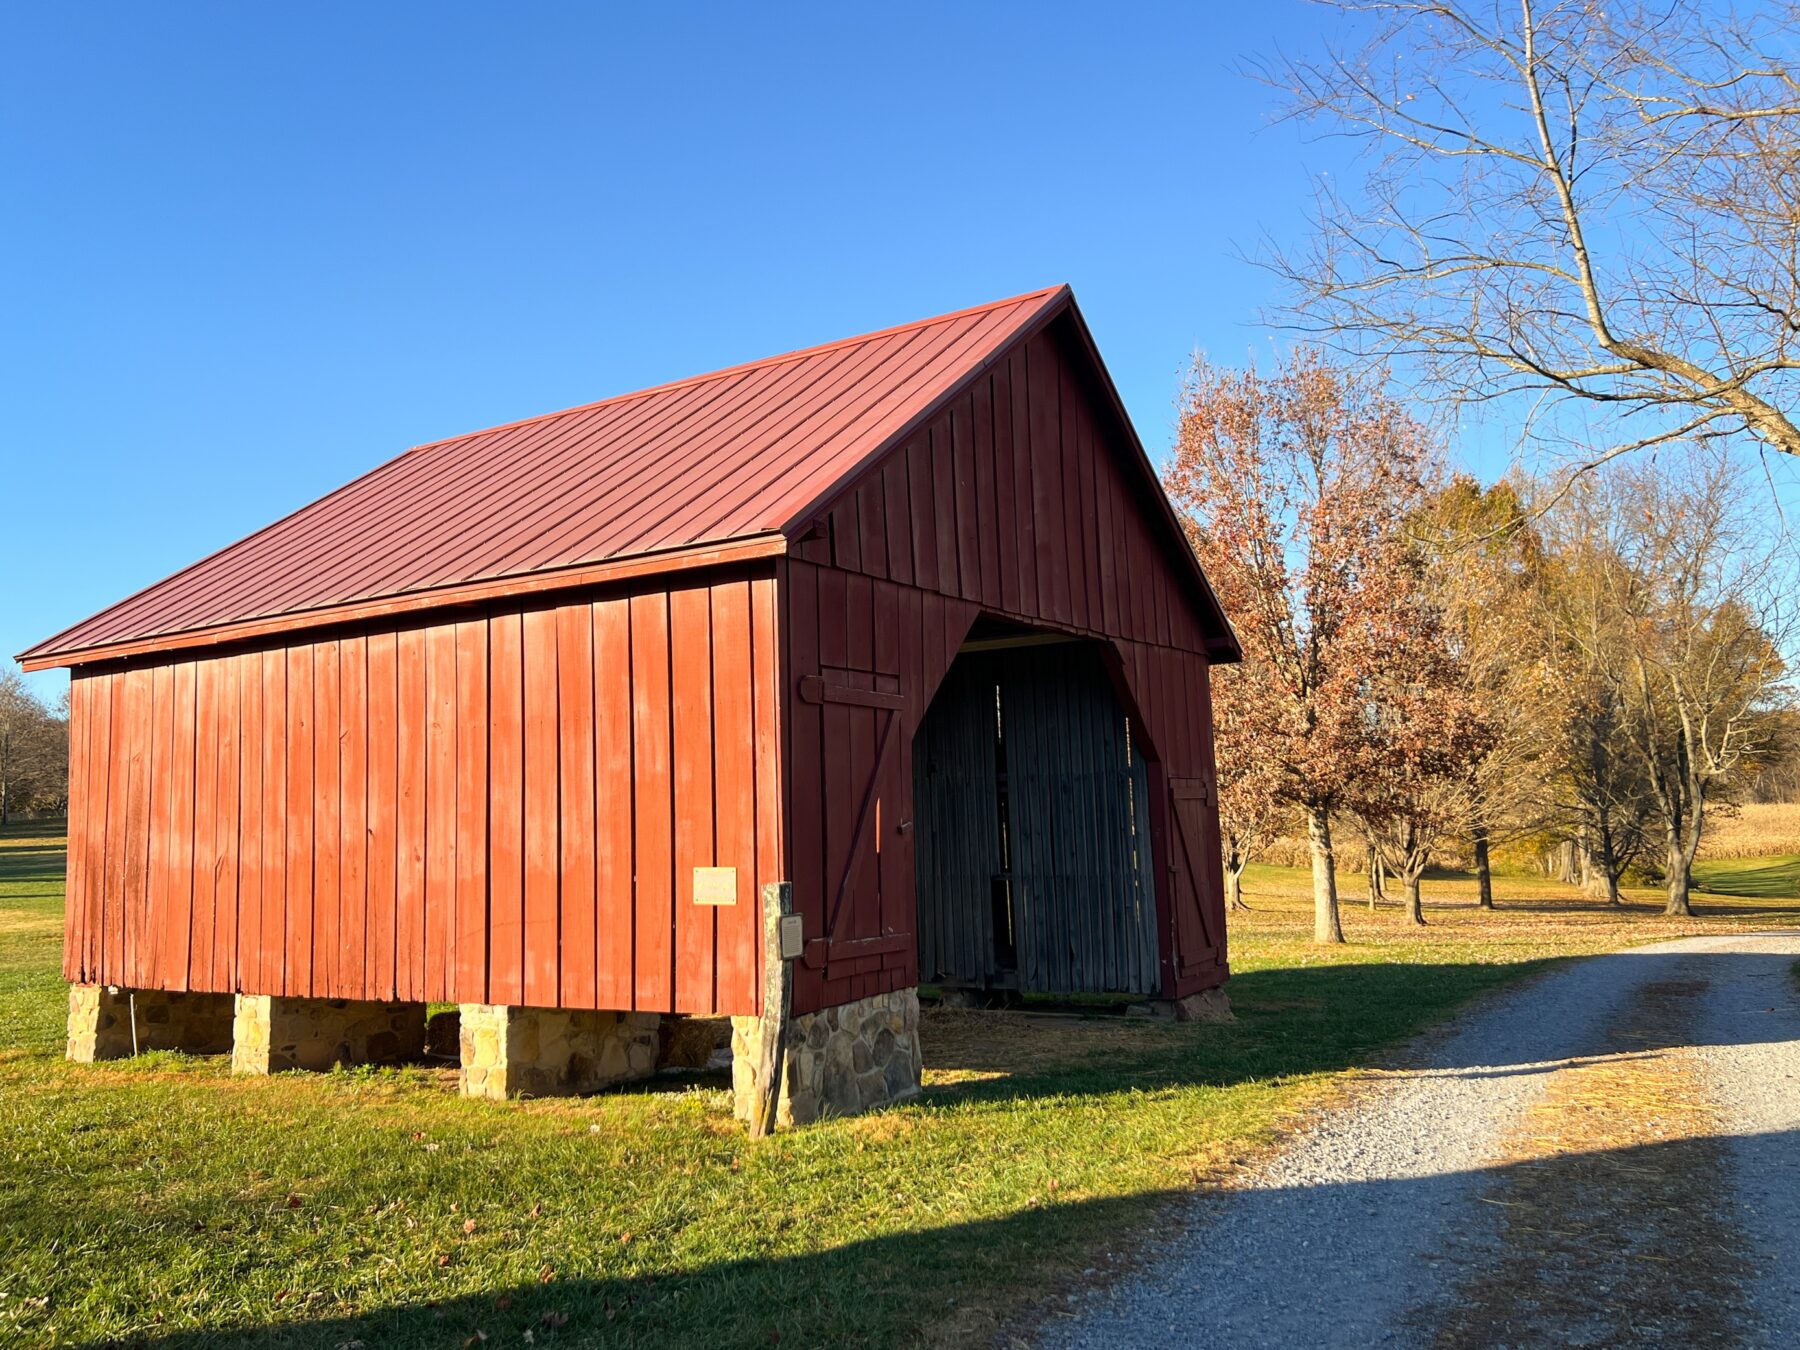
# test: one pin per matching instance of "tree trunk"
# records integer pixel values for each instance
(1565, 864)
(1234, 886)
(1327, 927)
(1415, 907)
(1484, 875)
(1679, 879)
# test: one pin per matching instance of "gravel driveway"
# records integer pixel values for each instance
(1606, 1156)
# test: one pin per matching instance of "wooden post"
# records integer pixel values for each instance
(777, 1004)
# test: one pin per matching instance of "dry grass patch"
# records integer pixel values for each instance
(1756, 830)
(1611, 1232)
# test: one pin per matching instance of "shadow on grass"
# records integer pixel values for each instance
(1303, 1020)
(1773, 880)
(1680, 1265)
(34, 863)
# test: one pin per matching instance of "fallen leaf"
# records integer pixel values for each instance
(294, 1201)
(555, 1319)
(468, 1225)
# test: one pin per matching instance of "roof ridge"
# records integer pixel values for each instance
(739, 369)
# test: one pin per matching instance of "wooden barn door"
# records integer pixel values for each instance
(868, 858)
(956, 796)
(1194, 828)
(1034, 858)
(1085, 901)
(859, 653)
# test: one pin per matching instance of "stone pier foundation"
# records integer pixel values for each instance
(552, 1052)
(840, 1061)
(101, 1021)
(272, 1033)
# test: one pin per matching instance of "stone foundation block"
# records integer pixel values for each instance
(271, 1033)
(839, 1061)
(1209, 1005)
(101, 1019)
(552, 1052)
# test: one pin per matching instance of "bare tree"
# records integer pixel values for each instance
(1585, 205)
(1681, 610)
(34, 741)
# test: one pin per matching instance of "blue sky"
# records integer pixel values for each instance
(248, 251)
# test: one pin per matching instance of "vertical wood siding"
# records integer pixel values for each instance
(1015, 500)
(506, 807)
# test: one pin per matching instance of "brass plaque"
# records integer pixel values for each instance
(715, 885)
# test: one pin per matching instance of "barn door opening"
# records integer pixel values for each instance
(1034, 867)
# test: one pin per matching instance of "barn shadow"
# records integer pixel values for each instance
(1298, 1021)
(1438, 1260)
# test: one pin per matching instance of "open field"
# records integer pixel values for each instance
(162, 1201)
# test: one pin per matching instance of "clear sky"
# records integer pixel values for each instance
(247, 251)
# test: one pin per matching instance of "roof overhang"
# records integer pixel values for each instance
(614, 570)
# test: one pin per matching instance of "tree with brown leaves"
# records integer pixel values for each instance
(1250, 806)
(1296, 485)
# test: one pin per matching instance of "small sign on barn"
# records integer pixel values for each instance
(896, 637)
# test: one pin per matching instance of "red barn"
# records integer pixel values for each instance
(526, 720)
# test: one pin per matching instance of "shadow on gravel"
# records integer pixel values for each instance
(1651, 1274)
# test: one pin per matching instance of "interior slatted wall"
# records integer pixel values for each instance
(506, 807)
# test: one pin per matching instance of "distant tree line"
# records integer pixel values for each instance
(1430, 661)
(34, 751)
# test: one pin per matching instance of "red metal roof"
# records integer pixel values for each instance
(740, 453)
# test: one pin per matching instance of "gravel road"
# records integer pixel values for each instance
(1609, 1155)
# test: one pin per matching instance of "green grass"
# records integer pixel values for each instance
(162, 1201)
(1761, 878)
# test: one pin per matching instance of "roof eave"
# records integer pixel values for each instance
(716, 553)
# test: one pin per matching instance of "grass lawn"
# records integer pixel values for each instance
(1751, 878)
(161, 1201)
